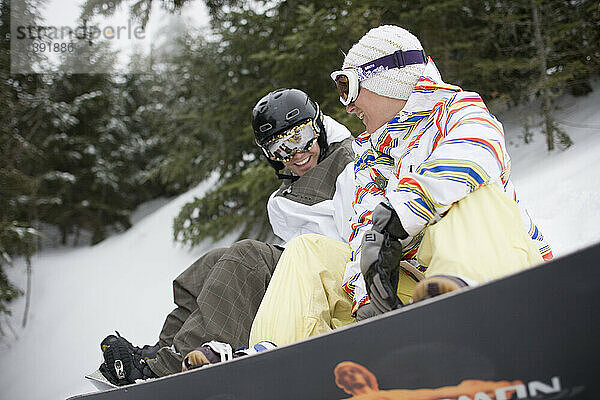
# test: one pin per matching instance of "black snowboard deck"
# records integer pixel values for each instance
(539, 327)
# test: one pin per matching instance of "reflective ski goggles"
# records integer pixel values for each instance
(348, 80)
(298, 139)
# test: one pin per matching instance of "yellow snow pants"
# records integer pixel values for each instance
(305, 295)
(479, 239)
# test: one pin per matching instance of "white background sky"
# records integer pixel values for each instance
(66, 13)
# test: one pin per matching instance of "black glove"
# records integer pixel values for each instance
(379, 260)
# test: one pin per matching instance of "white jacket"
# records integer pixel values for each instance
(330, 216)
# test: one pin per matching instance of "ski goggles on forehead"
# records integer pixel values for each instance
(298, 139)
(348, 80)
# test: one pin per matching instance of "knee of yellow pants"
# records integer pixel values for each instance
(480, 238)
(305, 295)
(406, 285)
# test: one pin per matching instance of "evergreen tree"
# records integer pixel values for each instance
(209, 89)
(292, 44)
(23, 116)
(84, 154)
(566, 40)
(185, 125)
(141, 114)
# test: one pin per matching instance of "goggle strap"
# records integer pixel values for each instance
(397, 59)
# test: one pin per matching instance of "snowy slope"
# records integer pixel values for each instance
(124, 283)
(80, 295)
(561, 189)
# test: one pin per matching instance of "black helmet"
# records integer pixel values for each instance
(281, 110)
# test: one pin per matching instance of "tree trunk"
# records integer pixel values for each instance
(28, 293)
(543, 67)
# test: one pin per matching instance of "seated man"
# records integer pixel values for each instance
(218, 295)
(435, 209)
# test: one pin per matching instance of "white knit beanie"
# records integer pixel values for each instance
(397, 83)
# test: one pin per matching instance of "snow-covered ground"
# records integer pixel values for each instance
(79, 295)
(561, 189)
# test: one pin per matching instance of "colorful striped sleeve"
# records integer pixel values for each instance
(467, 151)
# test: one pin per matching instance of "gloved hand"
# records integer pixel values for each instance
(379, 261)
(367, 311)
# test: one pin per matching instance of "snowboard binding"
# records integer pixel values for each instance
(125, 363)
(214, 352)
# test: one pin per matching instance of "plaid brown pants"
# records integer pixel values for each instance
(217, 298)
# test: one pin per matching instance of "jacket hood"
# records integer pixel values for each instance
(430, 89)
(336, 132)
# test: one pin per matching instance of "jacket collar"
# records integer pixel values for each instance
(429, 90)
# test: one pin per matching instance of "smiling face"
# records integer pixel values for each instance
(374, 110)
(303, 162)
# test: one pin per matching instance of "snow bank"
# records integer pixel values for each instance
(80, 295)
(561, 189)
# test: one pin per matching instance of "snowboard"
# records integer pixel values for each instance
(99, 381)
(532, 335)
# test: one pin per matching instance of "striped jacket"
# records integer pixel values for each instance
(443, 145)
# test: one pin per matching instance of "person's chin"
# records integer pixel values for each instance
(372, 128)
(304, 168)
